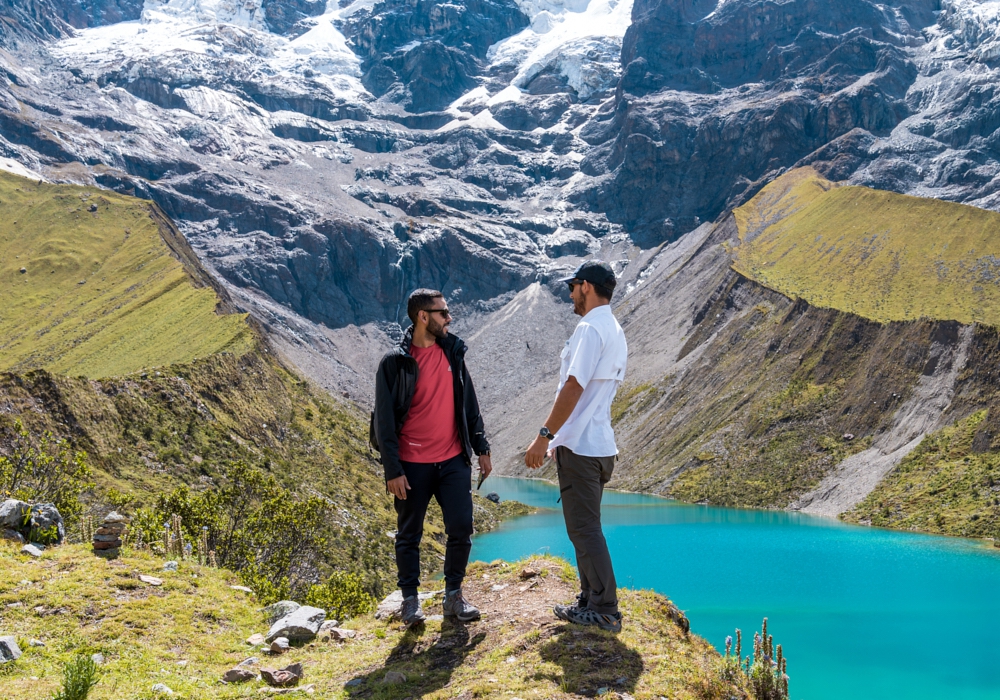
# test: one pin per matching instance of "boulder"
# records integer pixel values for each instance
(276, 611)
(9, 651)
(301, 625)
(13, 514)
(31, 550)
(46, 524)
(493, 497)
(280, 645)
(282, 678)
(238, 675)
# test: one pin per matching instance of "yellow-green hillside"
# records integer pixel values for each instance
(188, 631)
(881, 255)
(106, 289)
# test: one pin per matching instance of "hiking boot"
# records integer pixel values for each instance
(411, 612)
(563, 611)
(612, 622)
(455, 605)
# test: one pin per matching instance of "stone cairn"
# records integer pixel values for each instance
(109, 537)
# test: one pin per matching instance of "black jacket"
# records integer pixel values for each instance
(395, 382)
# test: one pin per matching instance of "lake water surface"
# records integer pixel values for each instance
(860, 612)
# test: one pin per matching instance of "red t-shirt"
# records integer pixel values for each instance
(430, 432)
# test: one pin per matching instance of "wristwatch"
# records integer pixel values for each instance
(545, 433)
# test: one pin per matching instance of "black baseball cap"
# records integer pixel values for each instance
(596, 272)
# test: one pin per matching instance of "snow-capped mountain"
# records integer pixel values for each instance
(325, 157)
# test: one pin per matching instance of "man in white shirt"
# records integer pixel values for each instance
(578, 431)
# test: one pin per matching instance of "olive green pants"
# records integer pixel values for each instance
(581, 486)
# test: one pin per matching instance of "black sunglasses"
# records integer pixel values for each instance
(444, 312)
(573, 283)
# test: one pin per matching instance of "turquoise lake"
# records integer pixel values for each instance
(860, 612)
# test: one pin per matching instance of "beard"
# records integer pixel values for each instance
(578, 307)
(438, 330)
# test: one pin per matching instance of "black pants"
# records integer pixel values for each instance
(451, 484)
(581, 485)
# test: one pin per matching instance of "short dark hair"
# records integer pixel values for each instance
(603, 292)
(421, 300)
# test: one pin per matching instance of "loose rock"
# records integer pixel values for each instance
(337, 634)
(36, 643)
(9, 651)
(170, 566)
(98, 659)
(493, 497)
(394, 677)
(151, 580)
(302, 625)
(252, 661)
(31, 550)
(242, 589)
(238, 675)
(282, 678)
(528, 572)
(163, 689)
(14, 535)
(256, 640)
(280, 645)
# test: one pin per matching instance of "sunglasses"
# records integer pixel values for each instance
(573, 283)
(444, 312)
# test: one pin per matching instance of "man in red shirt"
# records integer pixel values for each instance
(427, 425)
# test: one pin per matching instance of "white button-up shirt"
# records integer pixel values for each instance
(595, 355)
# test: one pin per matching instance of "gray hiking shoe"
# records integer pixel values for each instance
(609, 622)
(411, 612)
(455, 605)
(563, 611)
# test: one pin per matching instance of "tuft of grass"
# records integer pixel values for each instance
(897, 257)
(107, 289)
(79, 678)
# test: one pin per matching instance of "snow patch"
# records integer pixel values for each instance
(483, 120)
(580, 39)
(16, 168)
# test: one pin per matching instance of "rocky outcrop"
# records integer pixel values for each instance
(425, 55)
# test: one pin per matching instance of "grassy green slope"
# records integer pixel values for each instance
(189, 631)
(895, 257)
(102, 293)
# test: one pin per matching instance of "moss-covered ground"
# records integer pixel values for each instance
(101, 293)
(944, 486)
(189, 631)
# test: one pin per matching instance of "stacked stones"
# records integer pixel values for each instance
(108, 537)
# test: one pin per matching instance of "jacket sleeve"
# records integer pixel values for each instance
(385, 420)
(473, 417)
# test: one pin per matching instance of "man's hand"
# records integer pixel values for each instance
(485, 465)
(398, 487)
(535, 456)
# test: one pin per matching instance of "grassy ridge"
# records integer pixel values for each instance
(896, 257)
(102, 293)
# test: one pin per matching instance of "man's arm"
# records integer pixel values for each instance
(565, 402)
(385, 431)
(474, 421)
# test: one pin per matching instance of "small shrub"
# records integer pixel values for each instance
(765, 673)
(79, 676)
(46, 471)
(342, 596)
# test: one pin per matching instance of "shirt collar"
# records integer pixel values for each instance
(598, 310)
